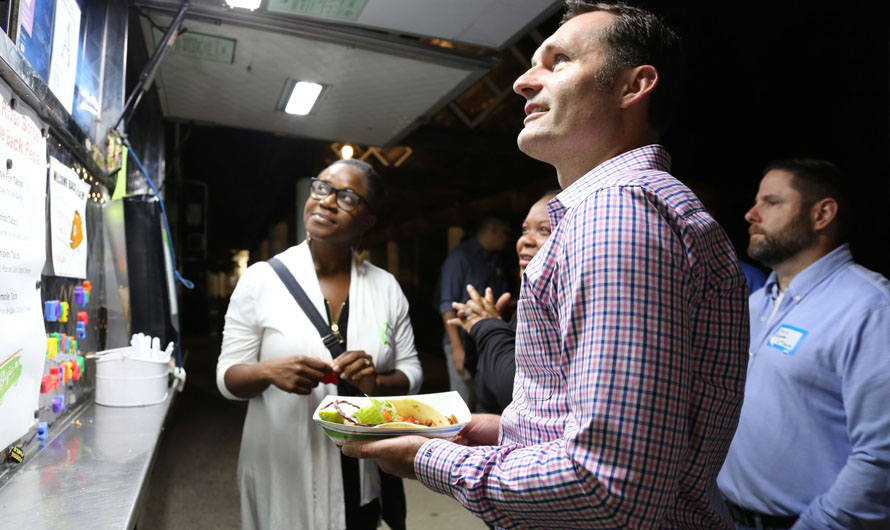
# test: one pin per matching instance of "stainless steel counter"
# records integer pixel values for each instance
(89, 476)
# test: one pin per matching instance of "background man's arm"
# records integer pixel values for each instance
(452, 289)
(860, 496)
(457, 347)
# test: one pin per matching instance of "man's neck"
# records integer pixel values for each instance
(790, 268)
(569, 170)
(484, 242)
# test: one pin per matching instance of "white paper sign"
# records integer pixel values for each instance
(63, 60)
(68, 223)
(22, 255)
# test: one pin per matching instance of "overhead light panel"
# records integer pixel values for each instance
(302, 98)
(244, 4)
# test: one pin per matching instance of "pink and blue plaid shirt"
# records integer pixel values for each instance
(631, 348)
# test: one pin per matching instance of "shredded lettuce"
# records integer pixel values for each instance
(374, 414)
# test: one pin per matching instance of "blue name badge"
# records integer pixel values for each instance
(787, 338)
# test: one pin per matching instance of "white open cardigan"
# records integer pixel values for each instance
(288, 471)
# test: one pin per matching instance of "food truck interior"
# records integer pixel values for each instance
(153, 151)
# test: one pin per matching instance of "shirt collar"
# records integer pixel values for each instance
(474, 245)
(811, 276)
(651, 156)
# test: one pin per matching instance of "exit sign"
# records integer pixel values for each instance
(201, 46)
(341, 9)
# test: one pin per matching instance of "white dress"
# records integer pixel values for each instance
(288, 470)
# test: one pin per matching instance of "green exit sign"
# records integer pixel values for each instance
(340, 9)
(201, 46)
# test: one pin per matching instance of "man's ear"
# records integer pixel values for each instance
(823, 213)
(639, 82)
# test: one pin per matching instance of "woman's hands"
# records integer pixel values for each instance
(357, 367)
(479, 307)
(298, 373)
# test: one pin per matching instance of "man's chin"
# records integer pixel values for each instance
(532, 144)
(762, 254)
(753, 250)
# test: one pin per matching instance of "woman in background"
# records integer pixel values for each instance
(289, 474)
(481, 318)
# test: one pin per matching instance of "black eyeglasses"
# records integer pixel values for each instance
(346, 199)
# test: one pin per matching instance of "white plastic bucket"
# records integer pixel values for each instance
(124, 381)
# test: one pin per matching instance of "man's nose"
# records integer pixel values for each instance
(752, 215)
(527, 85)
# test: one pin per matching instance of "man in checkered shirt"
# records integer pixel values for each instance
(632, 329)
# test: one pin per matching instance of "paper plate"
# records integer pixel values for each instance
(447, 403)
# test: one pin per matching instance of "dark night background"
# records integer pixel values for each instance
(766, 81)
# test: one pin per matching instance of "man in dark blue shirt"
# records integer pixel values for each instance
(476, 262)
(756, 278)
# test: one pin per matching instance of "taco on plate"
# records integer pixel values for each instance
(388, 414)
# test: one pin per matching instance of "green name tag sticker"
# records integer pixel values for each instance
(386, 332)
(340, 9)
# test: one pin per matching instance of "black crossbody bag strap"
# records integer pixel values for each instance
(332, 341)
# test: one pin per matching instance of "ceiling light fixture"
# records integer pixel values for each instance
(346, 152)
(244, 4)
(302, 98)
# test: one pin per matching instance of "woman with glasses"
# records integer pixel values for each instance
(289, 474)
(481, 318)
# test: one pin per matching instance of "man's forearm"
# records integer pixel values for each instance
(512, 486)
(858, 499)
(451, 331)
(457, 347)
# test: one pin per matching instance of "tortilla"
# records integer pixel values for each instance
(400, 425)
(406, 407)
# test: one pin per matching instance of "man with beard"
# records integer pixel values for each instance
(812, 449)
(632, 323)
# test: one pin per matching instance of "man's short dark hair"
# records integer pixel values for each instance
(816, 180)
(375, 182)
(491, 219)
(637, 37)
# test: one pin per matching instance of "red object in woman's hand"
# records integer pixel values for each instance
(331, 378)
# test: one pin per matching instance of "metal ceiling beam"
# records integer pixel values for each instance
(332, 32)
(151, 68)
